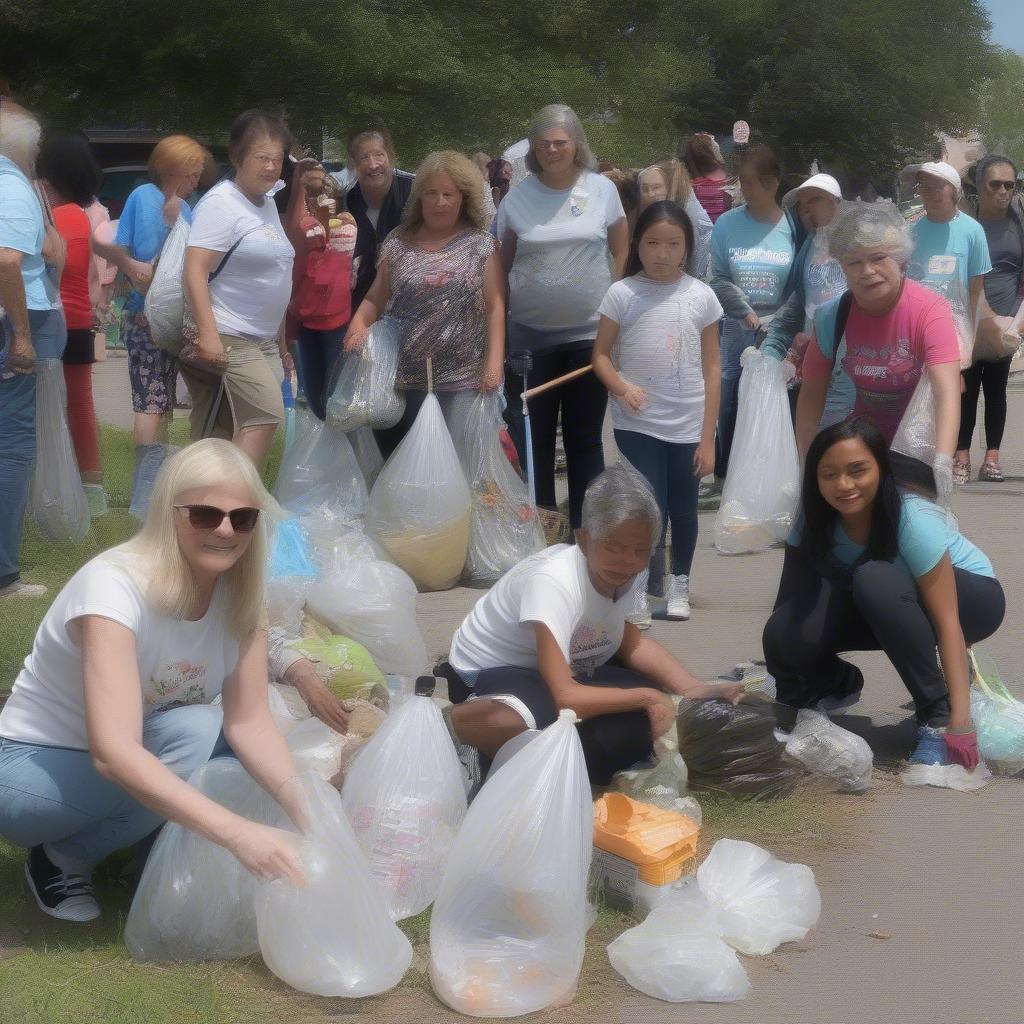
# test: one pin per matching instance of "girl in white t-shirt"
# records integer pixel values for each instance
(657, 353)
(112, 711)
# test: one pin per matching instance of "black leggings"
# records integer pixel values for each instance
(391, 437)
(992, 378)
(582, 403)
(815, 619)
(611, 743)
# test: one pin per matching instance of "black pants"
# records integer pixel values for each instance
(611, 743)
(391, 437)
(582, 403)
(815, 619)
(992, 378)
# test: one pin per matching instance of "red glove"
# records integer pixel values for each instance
(962, 748)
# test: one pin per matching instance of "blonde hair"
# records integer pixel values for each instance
(466, 176)
(169, 581)
(174, 155)
(677, 180)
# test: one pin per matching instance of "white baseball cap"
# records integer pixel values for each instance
(938, 169)
(824, 182)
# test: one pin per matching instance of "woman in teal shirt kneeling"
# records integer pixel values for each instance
(872, 568)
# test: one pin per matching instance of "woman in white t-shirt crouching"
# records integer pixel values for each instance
(657, 353)
(112, 710)
(542, 638)
(238, 282)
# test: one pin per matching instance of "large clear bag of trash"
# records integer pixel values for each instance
(508, 926)
(368, 455)
(195, 899)
(505, 526)
(320, 470)
(678, 954)
(762, 489)
(830, 751)
(405, 799)
(165, 299)
(331, 936)
(947, 776)
(733, 749)
(364, 394)
(998, 718)
(915, 436)
(761, 901)
(336, 541)
(373, 603)
(662, 784)
(420, 505)
(56, 498)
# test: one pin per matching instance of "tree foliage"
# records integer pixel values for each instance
(1002, 108)
(854, 83)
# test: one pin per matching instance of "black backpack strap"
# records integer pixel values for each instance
(226, 257)
(842, 315)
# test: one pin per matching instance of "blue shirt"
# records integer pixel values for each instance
(23, 229)
(926, 533)
(755, 256)
(945, 259)
(141, 229)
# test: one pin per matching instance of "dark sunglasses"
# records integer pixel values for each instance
(209, 517)
(995, 186)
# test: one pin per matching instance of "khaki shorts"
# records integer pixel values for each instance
(251, 392)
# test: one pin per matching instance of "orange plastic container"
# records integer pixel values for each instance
(657, 841)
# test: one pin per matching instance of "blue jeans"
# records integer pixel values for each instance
(732, 340)
(18, 435)
(317, 353)
(54, 795)
(668, 468)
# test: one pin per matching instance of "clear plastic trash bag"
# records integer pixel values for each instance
(830, 751)
(762, 488)
(678, 954)
(946, 776)
(663, 785)
(915, 436)
(374, 603)
(56, 498)
(332, 936)
(505, 527)
(368, 455)
(290, 551)
(999, 720)
(165, 299)
(320, 470)
(364, 394)
(405, 799)
(420, 505)
(760, 900)
(508, 926)
(195, 900)
(336, 541)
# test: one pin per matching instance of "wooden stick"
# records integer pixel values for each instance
(564, 379)
(430, 376)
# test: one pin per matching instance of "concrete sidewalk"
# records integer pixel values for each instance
(939, 872)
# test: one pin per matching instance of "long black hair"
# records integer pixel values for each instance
(820, 517)
(663, 210)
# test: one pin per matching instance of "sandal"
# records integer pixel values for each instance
(961, 472)
(991, 473)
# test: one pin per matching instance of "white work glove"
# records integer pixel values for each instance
(942, 468)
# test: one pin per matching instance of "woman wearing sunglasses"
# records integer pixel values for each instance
(112, 711)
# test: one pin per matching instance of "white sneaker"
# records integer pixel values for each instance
(677, 598)
(19, 588)
(640, 616)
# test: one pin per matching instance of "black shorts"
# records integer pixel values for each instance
(611, 743)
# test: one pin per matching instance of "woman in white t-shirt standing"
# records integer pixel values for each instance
(112, 711)
(564, 239)
(657, 353)
(238, 282)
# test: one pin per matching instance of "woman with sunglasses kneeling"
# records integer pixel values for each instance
(112, 711)
(874, 568)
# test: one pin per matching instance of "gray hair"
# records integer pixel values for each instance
(19, 133)
(558, 115)
(869, 226)
(620, 493)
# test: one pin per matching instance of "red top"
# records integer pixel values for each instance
(73, 226)
(711, 194)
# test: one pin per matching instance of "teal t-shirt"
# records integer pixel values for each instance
(757, 257)
(926, 532)
(23, 229)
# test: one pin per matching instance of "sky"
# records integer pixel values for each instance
(1007, 23)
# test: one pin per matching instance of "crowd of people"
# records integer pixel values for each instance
(498, 275)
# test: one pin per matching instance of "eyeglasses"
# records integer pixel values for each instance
(553, 144)
(266, 159)
(209, 517)
(995, 186)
